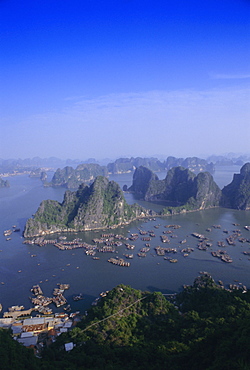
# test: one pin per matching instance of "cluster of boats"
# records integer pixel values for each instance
(41, 302)
(9, 231)
(119, 262)
(222, 255)
(107, 238)
(111, 240)
(161, 251)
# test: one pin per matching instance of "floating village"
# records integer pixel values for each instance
(108, 243)
(37, 325)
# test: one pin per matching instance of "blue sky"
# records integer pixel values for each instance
(101, 79)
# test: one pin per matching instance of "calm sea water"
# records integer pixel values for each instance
(49, 266)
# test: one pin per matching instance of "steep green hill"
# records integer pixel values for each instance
(181, 187)
(100, 205)
(206, 327)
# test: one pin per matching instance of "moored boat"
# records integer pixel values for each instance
(77, 297)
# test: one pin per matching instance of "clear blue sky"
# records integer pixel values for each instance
(82, 79)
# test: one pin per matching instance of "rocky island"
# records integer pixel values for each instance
(71, 178)
(237, 193)
(100, 205)
(182, 190)
(194, 164)
(126, 165)
(38, 173)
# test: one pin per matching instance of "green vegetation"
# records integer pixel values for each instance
(71, 178)
(188, 207)
(204, 327)
(100, 205)
(14, 356)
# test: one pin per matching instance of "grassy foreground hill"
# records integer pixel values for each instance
(205, 327)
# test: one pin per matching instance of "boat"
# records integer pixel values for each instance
(7, 232)
(104, 294)
(77, 297)
(129, 255)
(16, 308)
(67, 308)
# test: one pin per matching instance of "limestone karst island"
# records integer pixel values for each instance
(102, 204)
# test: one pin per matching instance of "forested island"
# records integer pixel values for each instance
(102, 204)
(181, 188)
(187, 191)
(206, 326)
(86, 171)
(71, 178)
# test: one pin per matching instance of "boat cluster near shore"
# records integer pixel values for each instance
(164, 243)
(110, 243)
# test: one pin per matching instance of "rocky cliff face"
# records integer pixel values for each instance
(206, 192)
(146, 185)
(180, 186)
(71, 178)
(237, 193)
(100, 205)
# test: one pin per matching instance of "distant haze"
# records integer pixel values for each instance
(129, 78)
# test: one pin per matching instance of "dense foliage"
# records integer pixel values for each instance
(14, 356)
(100, 205)
(204, 327)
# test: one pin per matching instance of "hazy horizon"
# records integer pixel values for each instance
(109, 80)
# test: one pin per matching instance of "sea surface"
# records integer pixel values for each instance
(22, 266)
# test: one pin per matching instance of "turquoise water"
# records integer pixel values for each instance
(19, 271)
